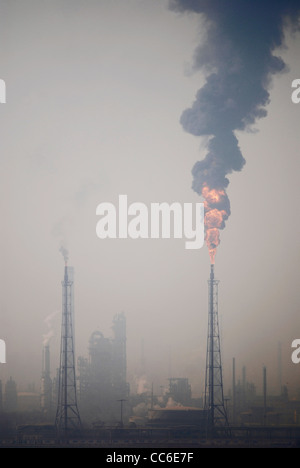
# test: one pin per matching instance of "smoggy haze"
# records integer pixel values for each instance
(95, 93)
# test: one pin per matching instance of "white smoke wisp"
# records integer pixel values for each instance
(171, 403)
(49, 323)
(142, 385)
(157, 407)
(64, 253)
(140, 410)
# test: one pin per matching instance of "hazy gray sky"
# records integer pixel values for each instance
(95, 91)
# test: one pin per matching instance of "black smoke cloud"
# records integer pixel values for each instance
(237, 58)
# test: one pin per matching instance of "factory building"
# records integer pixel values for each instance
(180, 391)
(102, 376)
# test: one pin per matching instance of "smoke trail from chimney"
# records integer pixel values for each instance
(64, 253)
(237, 59)
(49, 323)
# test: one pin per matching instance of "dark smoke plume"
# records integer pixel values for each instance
(237, 58)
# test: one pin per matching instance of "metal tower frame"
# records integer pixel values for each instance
(67, 414)
(214, 395)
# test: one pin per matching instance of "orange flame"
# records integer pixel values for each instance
(214, 218)
(212, 195)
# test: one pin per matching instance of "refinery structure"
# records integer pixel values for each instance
(89, 397)
(95, 382)
(102, 375)
(99, 102)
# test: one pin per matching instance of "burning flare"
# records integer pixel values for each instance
(217, 211)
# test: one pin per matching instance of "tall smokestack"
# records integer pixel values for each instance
(46, 383)
(67, 414)
(233, 392)
(244, 384)
(214, 395)
(279, 352)
(265, 393)
(1, 397)
(47, 360)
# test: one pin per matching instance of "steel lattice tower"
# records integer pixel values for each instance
(214, 396)
(67, 414)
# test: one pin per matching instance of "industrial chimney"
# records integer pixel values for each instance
(214, 396)
(67, 414)
(46, 383)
